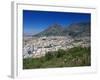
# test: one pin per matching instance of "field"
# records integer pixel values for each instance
(74, 57)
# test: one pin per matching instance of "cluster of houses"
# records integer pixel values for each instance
(37, 47)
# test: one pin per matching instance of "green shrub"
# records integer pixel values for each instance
(60, 53)
(49, 55)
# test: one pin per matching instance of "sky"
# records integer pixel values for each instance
(36, 21)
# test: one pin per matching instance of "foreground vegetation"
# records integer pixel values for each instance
(73, 57)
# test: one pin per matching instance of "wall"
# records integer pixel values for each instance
(5, 39)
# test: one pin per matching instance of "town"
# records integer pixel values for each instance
(37, 47)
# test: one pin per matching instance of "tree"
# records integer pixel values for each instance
(60, 53)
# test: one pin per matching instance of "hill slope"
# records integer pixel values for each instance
(78, 30)
(74, 30)
(53, 30)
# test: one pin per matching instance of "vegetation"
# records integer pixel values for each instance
(73, 57)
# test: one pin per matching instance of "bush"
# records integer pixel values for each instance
(60, 53)
(29, 52)
(49, 55)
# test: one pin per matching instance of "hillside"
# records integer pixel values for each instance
(78, 30)
(55, 30)
(74, 30)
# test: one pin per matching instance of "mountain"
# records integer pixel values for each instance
(55, 30)
(74, 30)
(78, 29)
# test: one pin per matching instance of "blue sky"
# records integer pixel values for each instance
(36, 21)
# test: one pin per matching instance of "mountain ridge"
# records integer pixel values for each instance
(74, 30)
